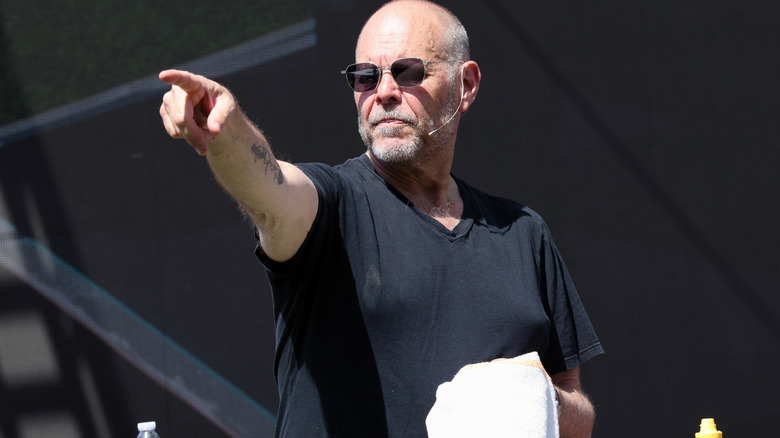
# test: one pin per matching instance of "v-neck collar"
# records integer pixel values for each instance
(467, 216)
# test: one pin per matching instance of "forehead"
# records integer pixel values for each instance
(403, 31)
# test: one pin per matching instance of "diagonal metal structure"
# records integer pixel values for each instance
(135, 339)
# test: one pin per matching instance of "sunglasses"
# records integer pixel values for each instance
(407, 72)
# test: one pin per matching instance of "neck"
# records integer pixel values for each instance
(432, 190)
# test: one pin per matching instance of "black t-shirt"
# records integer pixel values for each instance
(382, 303)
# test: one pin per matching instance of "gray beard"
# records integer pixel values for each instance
(405, 154)
(419, 145)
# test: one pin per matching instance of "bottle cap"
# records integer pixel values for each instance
(708, 429)
(147, 426)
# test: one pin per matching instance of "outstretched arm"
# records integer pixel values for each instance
(279, 198)
(577, 414)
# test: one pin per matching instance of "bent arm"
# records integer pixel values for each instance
(577, 414)
(279, 198)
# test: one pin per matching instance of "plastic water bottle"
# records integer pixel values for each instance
(147, 430)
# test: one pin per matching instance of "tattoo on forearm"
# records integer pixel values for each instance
(261, 152)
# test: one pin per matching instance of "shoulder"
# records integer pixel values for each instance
(331, 181)
(500, 213)
(358, 167)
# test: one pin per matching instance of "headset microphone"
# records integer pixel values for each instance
(462, 85)
(448, 120)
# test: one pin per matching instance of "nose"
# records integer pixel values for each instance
(387, 90)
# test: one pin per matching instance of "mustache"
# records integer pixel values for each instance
(395, 113)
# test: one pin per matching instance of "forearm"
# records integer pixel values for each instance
(577, 414)
(206, 114)
(242, 163)
(279, 197)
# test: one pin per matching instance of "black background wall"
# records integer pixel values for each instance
(645, 132)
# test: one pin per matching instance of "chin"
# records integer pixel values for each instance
(397, 154)
(392, 145)
(395, 150)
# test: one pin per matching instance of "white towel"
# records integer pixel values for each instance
(510, 398)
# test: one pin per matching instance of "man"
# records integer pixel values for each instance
(388, 273)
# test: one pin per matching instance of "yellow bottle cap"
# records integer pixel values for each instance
(707, 429)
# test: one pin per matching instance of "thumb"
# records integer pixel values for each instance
(222, 107)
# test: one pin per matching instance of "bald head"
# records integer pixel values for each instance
(395, 120)
(419, 25)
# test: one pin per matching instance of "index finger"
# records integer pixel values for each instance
(185, 80)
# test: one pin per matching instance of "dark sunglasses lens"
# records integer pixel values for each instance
(363, 76)
(408, 72)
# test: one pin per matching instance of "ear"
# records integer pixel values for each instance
(471, 78)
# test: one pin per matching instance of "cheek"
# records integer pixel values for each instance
(363, 104)
(364, 111)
